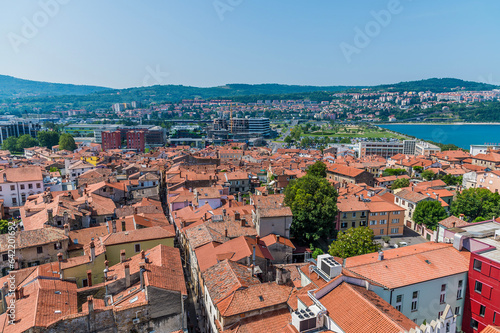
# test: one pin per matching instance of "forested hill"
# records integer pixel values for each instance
(434, 85)
(11, 87)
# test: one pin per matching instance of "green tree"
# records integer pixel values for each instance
(48, 138)
(393, 172)
(400, 182)
(354, 242)
(429, 213)
(288, 139)
(451, 180)
(66, 142)
(26, 141)
(418, 168)
(4, 226)
(318, 169)
(313, 201)
(317, 251)
(476, 202)
(428, 175)
(10, 144)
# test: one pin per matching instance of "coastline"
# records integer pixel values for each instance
(437, 124)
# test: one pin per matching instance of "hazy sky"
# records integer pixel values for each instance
(212, 42)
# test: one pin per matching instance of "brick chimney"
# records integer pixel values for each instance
(122, 256)
(19, 293)
(143, 254)
(90, 302)
(127, 275)
(92, 251)
(66, 229)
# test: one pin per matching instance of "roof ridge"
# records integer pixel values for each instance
(375, 307)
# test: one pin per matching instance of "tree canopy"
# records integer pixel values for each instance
(66, 142)
(429, 213)
(428, 175)
(318, 169)
(476, 202)
(48, 138)
(17, 145)
(313, 201)
(354, 242)
(400, 182)
(393, 172)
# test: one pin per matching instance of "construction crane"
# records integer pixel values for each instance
(231, 117)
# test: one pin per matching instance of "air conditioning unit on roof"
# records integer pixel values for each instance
(329, 266)
(304, 320)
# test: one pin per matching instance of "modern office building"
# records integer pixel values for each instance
(259, 126)
(391, 148)
(239, 129)
(111, 140)
(17, 128)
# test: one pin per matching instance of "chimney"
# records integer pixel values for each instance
(113, 226)
(380, 256)
(65, 217)
(106, 264)
(230, 202)
(454, 223)
(89, 277)
(60, 259)
(122, 256)
(92, 251)
(19, 293)
(253, 259)
(143, 255)
(462, 216)
(239, 196)
(278, 275)
(66, 229)
(90, 301)
(225, 232)
(237, 215)
(50, 216)
(243, 222)
(127, 275)
(142, 267)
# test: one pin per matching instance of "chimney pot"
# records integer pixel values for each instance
(122, 256)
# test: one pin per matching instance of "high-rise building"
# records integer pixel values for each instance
(136, 140)
(111, 140)
(17, 128)
(259, 126)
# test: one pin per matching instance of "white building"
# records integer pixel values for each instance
(16, 184)
(75, 169)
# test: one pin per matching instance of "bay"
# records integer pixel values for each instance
(462, 135)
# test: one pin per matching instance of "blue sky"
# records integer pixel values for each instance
(127, 43)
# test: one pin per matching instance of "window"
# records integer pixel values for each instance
(457, 311)
(440, 313)
(343, 225)
(0, 188)
(85, 283)
(394, 230)
(442, 298)
(381, 231)
(383, 221)
(459, 291)
(395, 221)
(363, 214)
(344, 215)
(473, 324)
(362, 223)
(353, 214)
(373, 222)
(39, 249)
(137, 247)
(414, 301)
(14, 200)
(23, 197)
(478, 287)
(373, 214)
(396, 213)
(38, 185)
(5, 257)
(477, 265)
(22, 186)
(353, 224)
(30, 186)
(482, 310)
(399, 302)
(494, 317)
(383, 213)
(12, 187)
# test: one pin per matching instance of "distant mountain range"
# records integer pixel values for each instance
(44, 92)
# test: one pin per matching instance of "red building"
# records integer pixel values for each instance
(111, 140)
(482, 306)
(136, 140)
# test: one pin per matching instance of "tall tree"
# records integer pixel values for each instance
(318, 169)
(428, 175)
(354, 242)
(313, 201)
(10, 144)
(26, 141)
(429, 213)
(48, 138)
(66, 142)
(476, 202)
